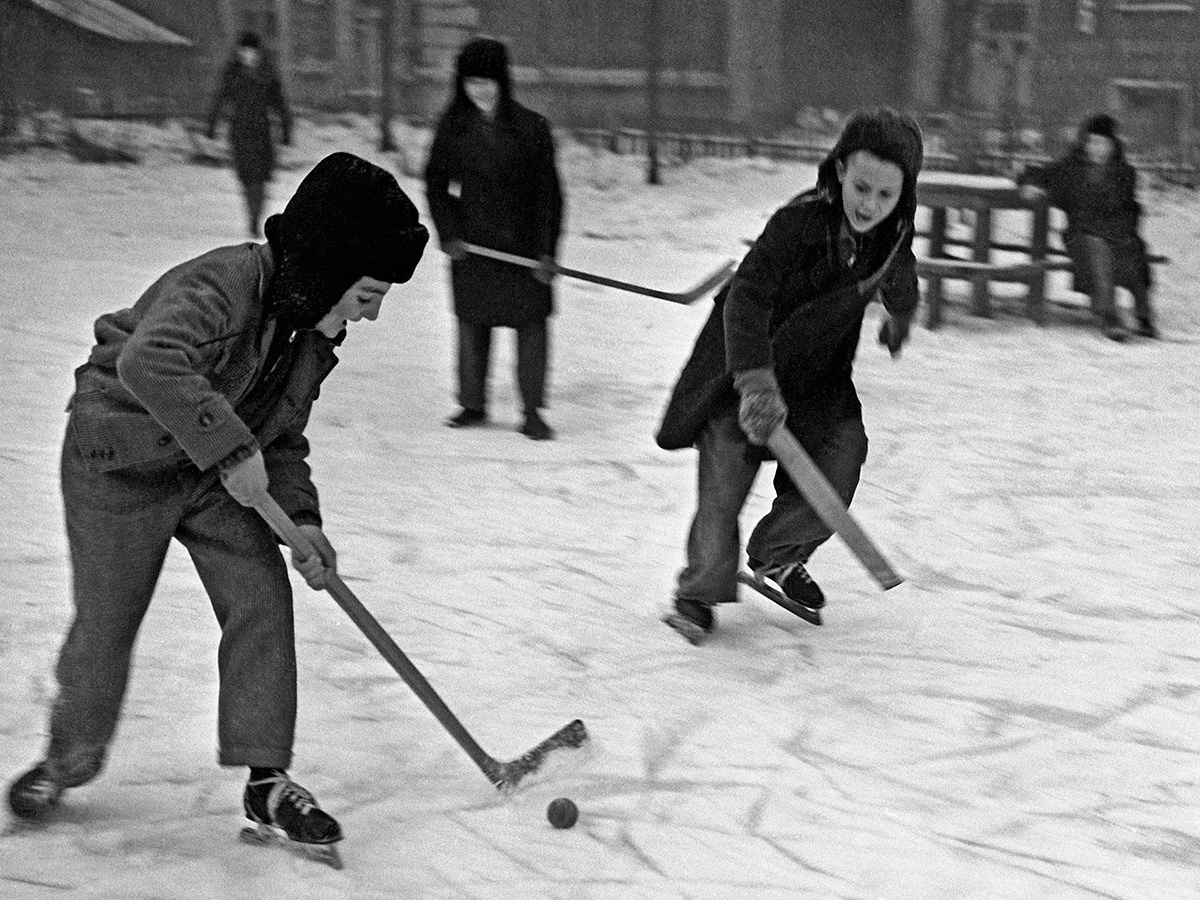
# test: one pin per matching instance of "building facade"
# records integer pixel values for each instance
(738, 65)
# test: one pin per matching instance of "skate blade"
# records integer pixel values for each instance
(694, 634)
(804, 612)
(264, 835)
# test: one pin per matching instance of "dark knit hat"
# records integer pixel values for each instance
(250, 39)
(1102, 124)
(484, 58)
(348, 219)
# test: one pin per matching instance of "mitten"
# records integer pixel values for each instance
(762, 409)
(893, 333)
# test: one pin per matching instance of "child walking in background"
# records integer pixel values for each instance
(249, 92)
(1096, 187)
(779, 348)
(192, 402)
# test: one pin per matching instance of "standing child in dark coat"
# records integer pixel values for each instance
(194, 401)
(251, 90)
(1096, 187)
(491, 180)
(779, 347)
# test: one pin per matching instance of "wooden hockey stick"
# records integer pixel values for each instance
(713, 281)
(504, 775)
(828, 505)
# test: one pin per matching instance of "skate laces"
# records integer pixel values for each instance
(287, 790)
(284, 790)
(781, 573)
(43, 786)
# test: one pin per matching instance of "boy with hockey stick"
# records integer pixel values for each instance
(192, 402)
(779, 348)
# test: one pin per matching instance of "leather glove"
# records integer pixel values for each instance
(893, 333)
(455, 249)
(762, 409)
(246, 479)
(317, 568)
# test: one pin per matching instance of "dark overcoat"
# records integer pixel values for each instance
(495, 183)
(249, 95)
(1100, 201)
(796, 306)
(170, 378)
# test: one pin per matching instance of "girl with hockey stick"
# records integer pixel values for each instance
(779, 348)
(192, 403)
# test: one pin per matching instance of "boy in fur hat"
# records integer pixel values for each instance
(1096, 187)
(491, 179)
(193, 401)
(779, 347)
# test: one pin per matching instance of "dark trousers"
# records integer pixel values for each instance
(1102, 265)
(789, 532)
(474, 356)
(119, 526)
(255, 193)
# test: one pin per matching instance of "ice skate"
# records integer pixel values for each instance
(284, 813)
(693, 619)
(34, 796)
(789, 585)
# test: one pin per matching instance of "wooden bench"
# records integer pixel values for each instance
(984, 195)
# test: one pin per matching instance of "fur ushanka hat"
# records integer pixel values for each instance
(1102, 124)
(888, 134)
(348, 219)
(483, 58)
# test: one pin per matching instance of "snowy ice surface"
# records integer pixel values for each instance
(1019, 719)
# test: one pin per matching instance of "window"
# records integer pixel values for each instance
(1085, 16)
(1007, 17)
(1154, 6)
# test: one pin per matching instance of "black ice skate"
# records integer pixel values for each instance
(285, 813)
(789, 585)
(693, 619)
(34, 795)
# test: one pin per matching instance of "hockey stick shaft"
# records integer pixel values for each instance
(503, 775)
(829, 506)
(717, 278)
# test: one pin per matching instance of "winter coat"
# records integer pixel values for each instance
(796, 306)
(252, 94)
(1099, 201)
(495, 183)
(177, 375)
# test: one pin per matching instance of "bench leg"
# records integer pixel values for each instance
(1035, 299)
(981, 301)
(933, 303)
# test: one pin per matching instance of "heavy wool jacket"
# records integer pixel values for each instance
(796, 305)
(495, 183)
(180, 374)
(1100, 201)
(250, 95)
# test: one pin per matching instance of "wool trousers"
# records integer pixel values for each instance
(789, 532)
(1101, 263)
(474, 359)
(119, 525)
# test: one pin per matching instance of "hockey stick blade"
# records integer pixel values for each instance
(829, 506)
(503, 775)
(719, 276)
(506, 775)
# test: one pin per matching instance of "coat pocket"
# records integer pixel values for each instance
(111, 439)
